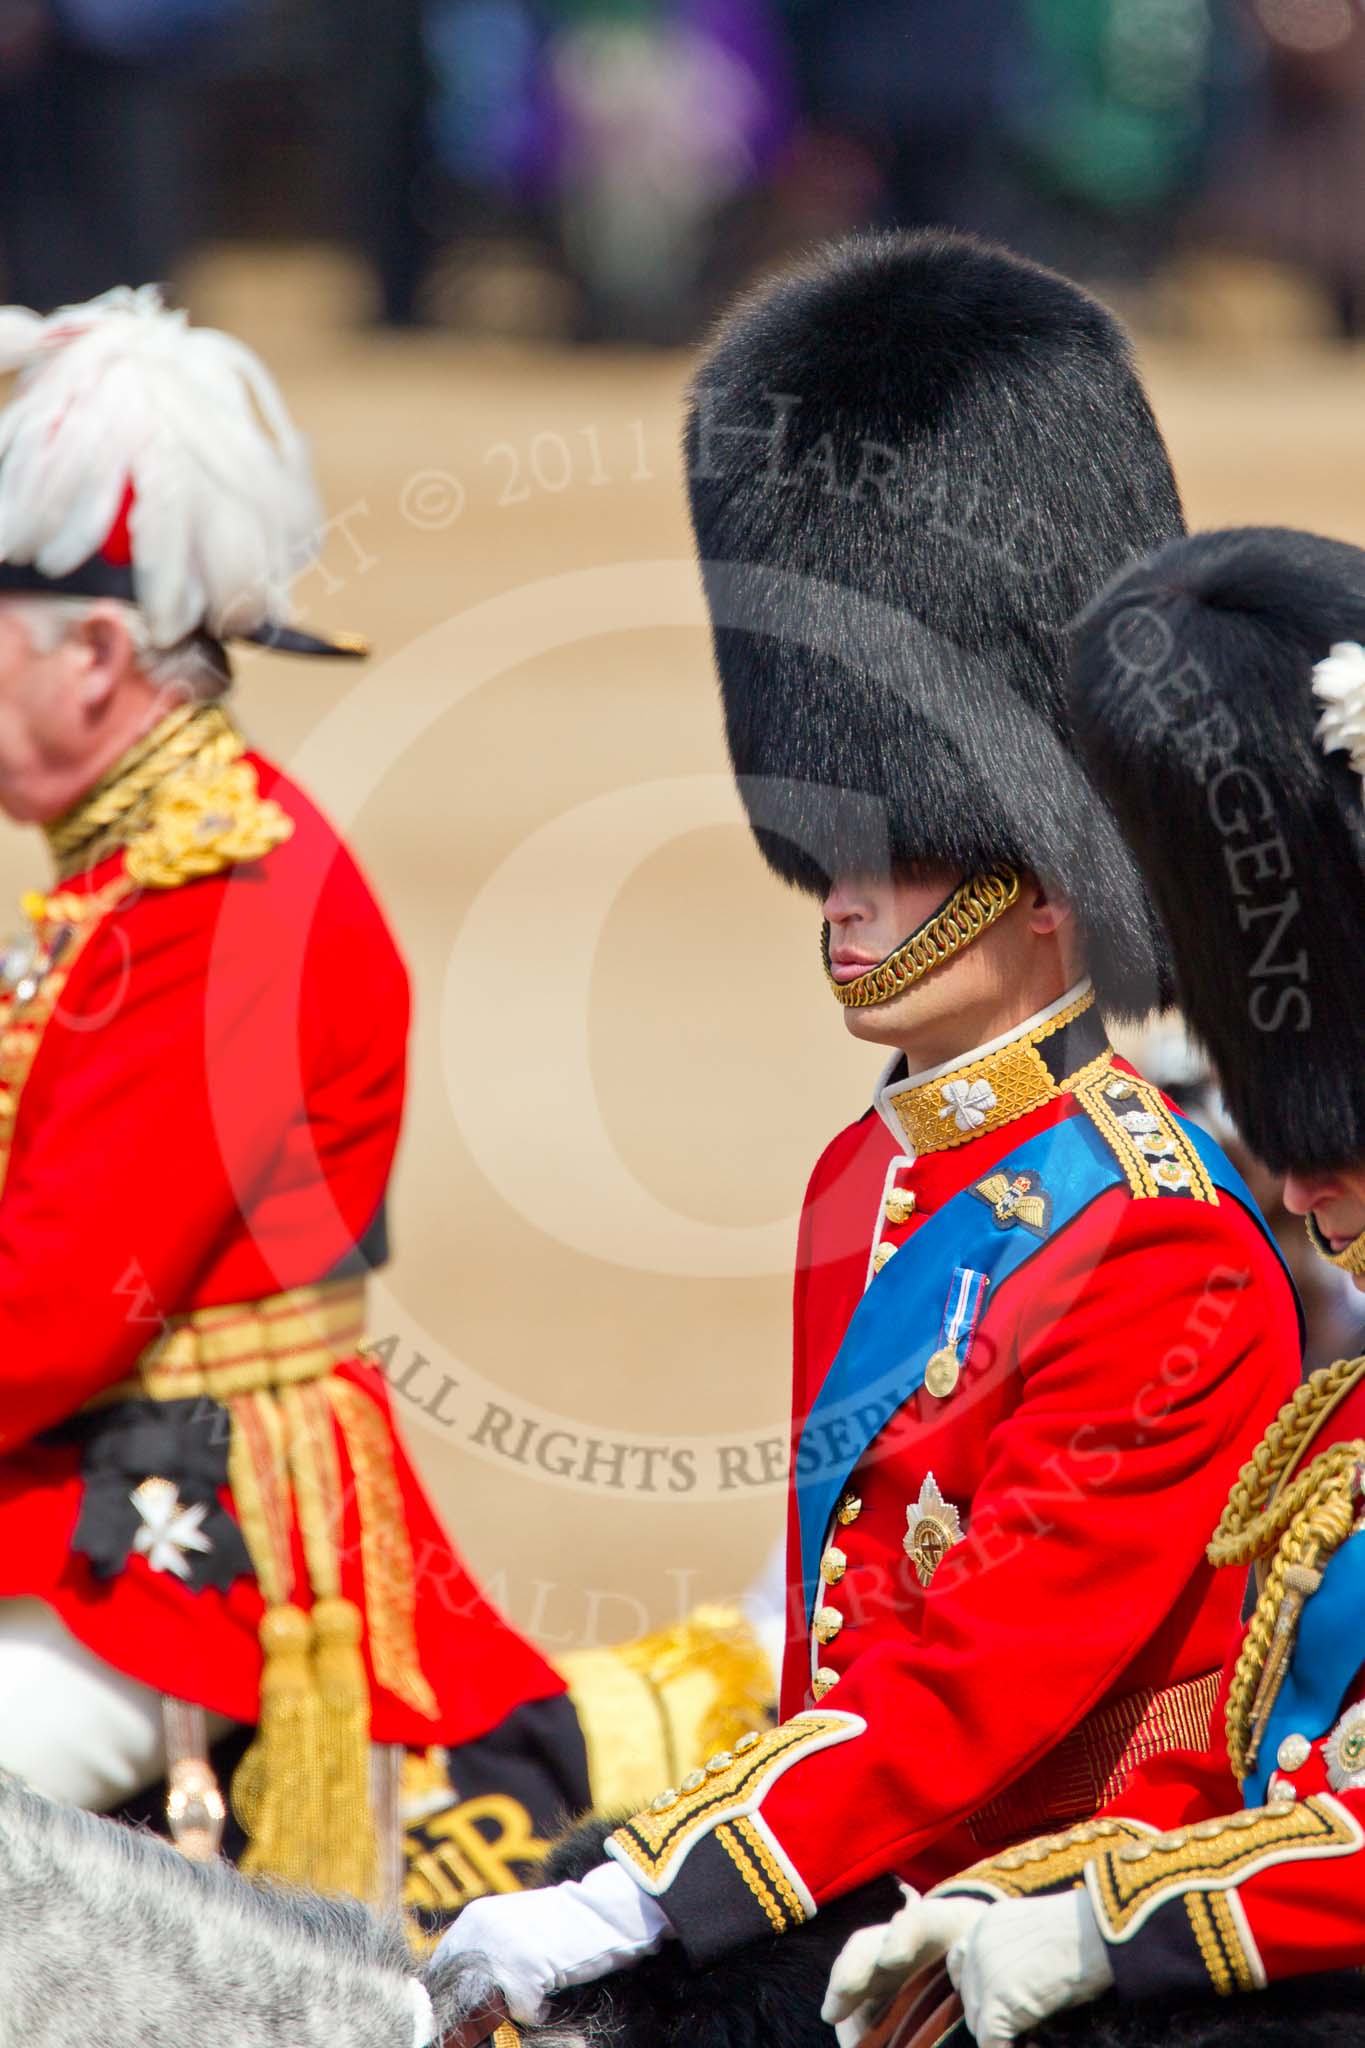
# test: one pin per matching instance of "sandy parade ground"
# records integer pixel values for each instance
(624, 1059)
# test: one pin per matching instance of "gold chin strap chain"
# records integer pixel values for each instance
(1304, 1525)
(973, 906)
(1352, 1260)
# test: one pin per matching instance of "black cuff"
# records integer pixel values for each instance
(1184, 1949)
(727, 1891)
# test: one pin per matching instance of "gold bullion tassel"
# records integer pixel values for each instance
(302, 1790)
(279, 1790)
(345, 1854)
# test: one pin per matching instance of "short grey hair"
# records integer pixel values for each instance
(195, 666)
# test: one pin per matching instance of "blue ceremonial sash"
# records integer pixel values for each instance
(1328, 1651)
(895, 1328)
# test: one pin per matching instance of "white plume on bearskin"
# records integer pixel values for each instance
(1339, 686)
(124, 392)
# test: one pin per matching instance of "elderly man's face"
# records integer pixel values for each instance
(71, 699)
(33, 693)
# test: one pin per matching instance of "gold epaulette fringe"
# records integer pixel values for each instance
(653, 1709)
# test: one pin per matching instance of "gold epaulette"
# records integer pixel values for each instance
(653, 1709)
(1149, 1143)
(183, 802)
(202, 822)
(1050, 1863)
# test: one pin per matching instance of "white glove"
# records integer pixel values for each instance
(874, 1963)
(1025, 1959)
(540, 1942)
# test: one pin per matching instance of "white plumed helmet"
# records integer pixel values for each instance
(147, 459)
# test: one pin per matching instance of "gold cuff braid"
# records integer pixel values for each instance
(973, 906)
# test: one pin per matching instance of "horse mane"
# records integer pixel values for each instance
(200, 1952)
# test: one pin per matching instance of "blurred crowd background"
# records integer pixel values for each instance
(608, 169)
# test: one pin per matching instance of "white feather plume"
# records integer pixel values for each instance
(1339, 686)
(122, 391)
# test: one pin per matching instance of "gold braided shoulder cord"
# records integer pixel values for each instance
(973, 906)
(1305, 1523)
(112, 812)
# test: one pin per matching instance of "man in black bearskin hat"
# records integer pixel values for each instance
(1038, 1319)
(1221, 700)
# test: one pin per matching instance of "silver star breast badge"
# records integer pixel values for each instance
(934, 1526)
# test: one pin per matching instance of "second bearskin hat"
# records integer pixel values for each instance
(911, 463)
(1220, 696)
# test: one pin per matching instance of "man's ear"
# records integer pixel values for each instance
(1047, 914)
(103, 651)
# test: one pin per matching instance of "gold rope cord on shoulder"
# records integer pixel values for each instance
(1303, 1522)
(971, 909)
(109, 814)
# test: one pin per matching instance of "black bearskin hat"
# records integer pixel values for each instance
(1196, 705)
(911, 463)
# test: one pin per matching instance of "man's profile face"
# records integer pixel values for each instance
(871, 915)
(37, 705)
(1336, 1202)
(72, 698)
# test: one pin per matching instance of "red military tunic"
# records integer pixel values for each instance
(1195, 1891)
(199, 1106)
(1103, 1401)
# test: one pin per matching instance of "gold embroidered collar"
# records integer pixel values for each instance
(119, 806)
(1047, 1056)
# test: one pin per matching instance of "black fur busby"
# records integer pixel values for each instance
(1195, 703)
(911, 463)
